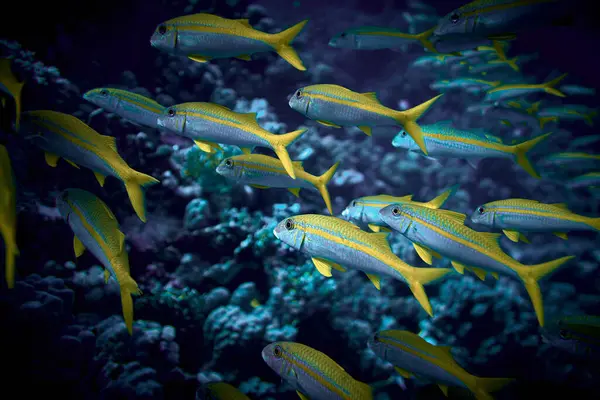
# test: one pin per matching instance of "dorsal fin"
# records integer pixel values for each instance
(252, 116)
(380, 238)
(446, 350)
(562, 206)
(493, 138)
(454, 215)
(110, 141)
(244, 22)
(491, 237)
(371, 96)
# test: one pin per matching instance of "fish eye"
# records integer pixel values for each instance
(564, 334)
(454, 18)
(171, 112)
(403, 134)
(299, 93)
(228, 163)
(395, 211)
(481, 210)
(277, 351)
(353, 204)
(343, 34)
(104, 92)
(289, 224)
(162, 29)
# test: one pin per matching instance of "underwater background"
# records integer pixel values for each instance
(218, 285)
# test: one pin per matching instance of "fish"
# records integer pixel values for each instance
(65, 136)
(8, 216)
(466, 248)
(261, 171)
(11, 87)
(583, 141)
(313, 374)
(512, 115)
(222, 391)
(578, 335)
(334, 243)
(376, 38)
(511, 91)
(335, 106)
(413, 356)
(365, 210)
(209, 124)
(502, 58)
(515, 216)
(132, 106)
(457, 43)
(500, 19)
(588, 181)
(96, 229)
(443, 140)
(573, 112)
(470, 85)
(570, 163)
(204, 37)
(576, 90)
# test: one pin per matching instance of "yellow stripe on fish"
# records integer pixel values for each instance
(8, 216)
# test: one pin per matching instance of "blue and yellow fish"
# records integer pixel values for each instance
(575, 334)
(204, 37)
(63, 135)
(8, 216)
(376, 38)
(96, 228)
(313, 374)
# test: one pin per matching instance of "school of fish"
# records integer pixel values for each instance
(477, 36)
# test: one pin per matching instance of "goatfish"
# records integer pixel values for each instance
(313, 374)
(413, 356)
(470, 85)
(512, 115)
(570, 163)
(10, 87)
(514, 216)
(376, 38)
(572, 112)
(96, 228)
(575, 334)
(204, 37)
(499, 19)
(8, 216)
(511, 91)
(209, 124)
(222, 391)
(335, 106)
(447, 235)
(365, 210)
(262, 172)
(576, 90)
(334, 243)
(63, 135)
(132, 106)
(443, 140)
(587, 181)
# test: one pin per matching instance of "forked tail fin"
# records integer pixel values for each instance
(279, 144)
(408, 119)
(423, 276)
(549, 87)
(282, 43)
(439, 201)
(135, 186)
(128, 288)
(520, 152)
(321, 184)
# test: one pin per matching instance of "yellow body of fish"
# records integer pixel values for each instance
(8, 216)
(10, 85)
(224, 391)
(79, 144)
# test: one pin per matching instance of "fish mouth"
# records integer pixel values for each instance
(345, 212)
(277, 236)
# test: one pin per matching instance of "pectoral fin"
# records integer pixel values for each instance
(561, 235)
(328, 124)
(205, 146)
(323, 266)
(106, 276)
(512, 235)
(403, 373)
(78, 247)
(51, 159)
(424, 254)
(100, 178)
(377, 228)
(375, 280)
(303, 397)
(295, 191)
(198, 58)
(246, 150)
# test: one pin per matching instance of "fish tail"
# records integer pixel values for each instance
(282, 44)
(365, 390)
(594, 223)
(11, 251)
(408, 119)
(13, 85)
(511, 63)
(279, 144)
(549, 87)
(520, 151)
(531, 274)
(424, 276)
(128, 288)
(321, 184)
(483, 387)
(589, 118)
(423, 37)
(442, 198)
(544, 120)
(135, 186)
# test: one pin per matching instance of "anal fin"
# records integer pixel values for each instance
(330, 124)
(561, 235)
(444, 389)
(375, 280)
(512, 235)
(100, 178)
(199, 58)
(78, 247)
(295, 191)
(51, 159)
(72, 163)
(366, 129)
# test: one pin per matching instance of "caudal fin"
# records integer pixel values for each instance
(282, 43)
(484, 386)
(544, 120)
(409, 119)
(531, 274)
(10, 252)
(442, 198)
(10, 82)
(520, 152)
(423, 37)
(594, 223)
(321, 184)
(511, 63)
(549, 87)
(128, 288)
(279, 144)
(135, 186)
(423, 276)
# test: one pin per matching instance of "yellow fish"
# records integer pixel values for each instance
(223, 391)
(96, 228)
(203, 37)
(63, 135)
(8, 216)
(11, 87)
